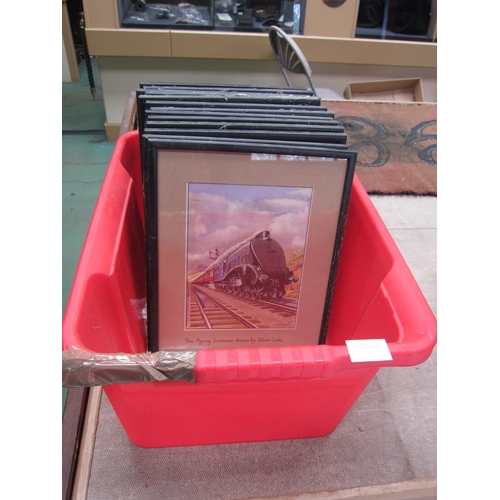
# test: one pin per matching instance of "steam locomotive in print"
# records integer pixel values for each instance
(253, 268)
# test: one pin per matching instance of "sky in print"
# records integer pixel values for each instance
(221, 215)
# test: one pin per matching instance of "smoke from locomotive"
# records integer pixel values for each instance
(253, 268)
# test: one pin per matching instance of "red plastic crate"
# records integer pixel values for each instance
(242, 395)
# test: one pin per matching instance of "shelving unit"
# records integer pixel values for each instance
(127, 56)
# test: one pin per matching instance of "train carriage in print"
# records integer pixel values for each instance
(255, 267)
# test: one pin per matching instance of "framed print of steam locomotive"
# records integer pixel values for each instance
(242, 241)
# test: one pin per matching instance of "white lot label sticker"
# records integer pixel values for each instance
(264, 156)
(368, 350)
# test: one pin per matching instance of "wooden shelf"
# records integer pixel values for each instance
(255, 46)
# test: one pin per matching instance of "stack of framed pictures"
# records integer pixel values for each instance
(246, 191)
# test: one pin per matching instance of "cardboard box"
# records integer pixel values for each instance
(403, 90)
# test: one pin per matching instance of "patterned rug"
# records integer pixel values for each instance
(396, 144)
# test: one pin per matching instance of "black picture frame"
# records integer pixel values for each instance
(167, 284)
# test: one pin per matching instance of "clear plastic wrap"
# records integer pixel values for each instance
(87, 369)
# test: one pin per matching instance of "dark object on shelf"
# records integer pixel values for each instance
(244, 19)
(140, 5)
(240, 6)
(223, 6)
(394, 19)
(162, 14)
(270, 21)
(411, 17)
(261, 12)
(334, 3)
(370, 13)
(189, 14)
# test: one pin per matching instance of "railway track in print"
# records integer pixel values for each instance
(209, 312)
(284, 305)
(213, 309)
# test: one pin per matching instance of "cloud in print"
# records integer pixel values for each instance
(221, 215)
